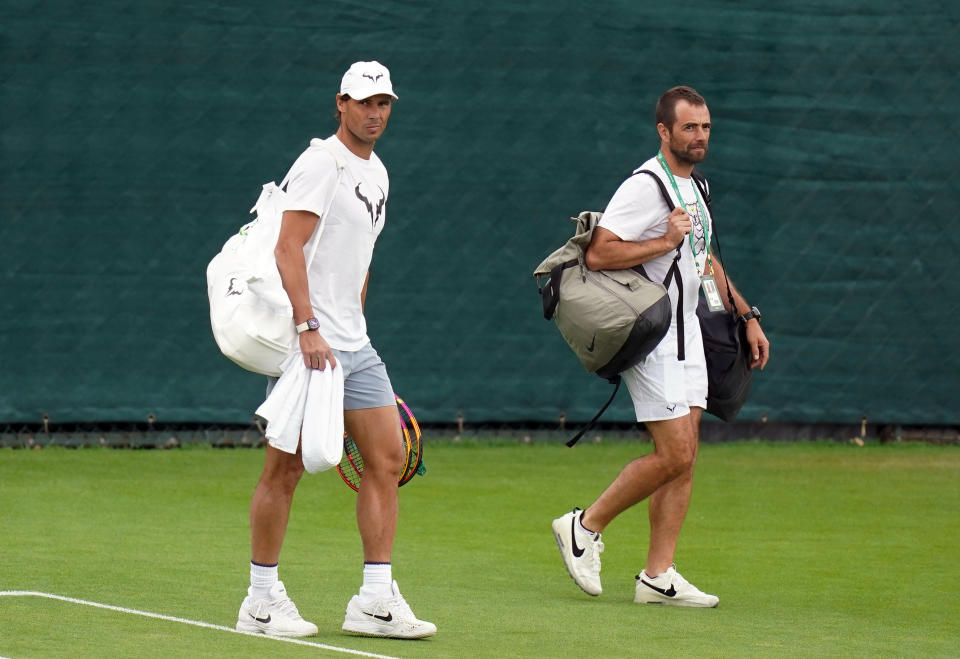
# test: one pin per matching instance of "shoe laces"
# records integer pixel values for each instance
(398, 605)
(677, 580)
(594, 549)
(285, 606)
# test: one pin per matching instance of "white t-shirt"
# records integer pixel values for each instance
(637, 212)
(356, 218)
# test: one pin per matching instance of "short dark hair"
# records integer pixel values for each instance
(336, 108)
(667, 105)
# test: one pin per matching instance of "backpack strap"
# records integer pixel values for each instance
(576, 438)
(702, 186)
(341, 165)
(673, 273)
(551, 293)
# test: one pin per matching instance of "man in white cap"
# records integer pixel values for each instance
(327, 300)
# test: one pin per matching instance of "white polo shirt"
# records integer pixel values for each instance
(343, 256)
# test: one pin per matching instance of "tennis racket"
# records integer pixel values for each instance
(351, 464)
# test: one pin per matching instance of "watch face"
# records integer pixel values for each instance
(313, 323)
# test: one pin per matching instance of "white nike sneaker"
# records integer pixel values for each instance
(580, 551)
(390, 617)
(277, 616)
(672, 589)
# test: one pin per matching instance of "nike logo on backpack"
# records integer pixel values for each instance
(669, 592)
(577, 551)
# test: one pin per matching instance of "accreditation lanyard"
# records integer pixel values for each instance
(700, 211)
(707, 283)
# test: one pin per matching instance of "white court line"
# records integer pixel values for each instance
(195, 623)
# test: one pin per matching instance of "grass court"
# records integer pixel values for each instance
(815, 549)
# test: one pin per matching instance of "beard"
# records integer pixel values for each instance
(686, 154)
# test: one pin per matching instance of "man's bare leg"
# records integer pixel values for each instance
(668, 509)
(376, 431)
(379, 609)
(267, 609)
(675, 446)
(270, 507)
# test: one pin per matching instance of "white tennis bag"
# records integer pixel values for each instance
(250, 313)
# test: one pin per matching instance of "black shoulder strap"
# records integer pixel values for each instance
(702, 186)
(616, 379)
(704, 189)
(674, 272)
(550, 294)
(663, 189)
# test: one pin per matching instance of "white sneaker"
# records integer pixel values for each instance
(671, 588)
(277, 616)
(388, 616)
(580, 551)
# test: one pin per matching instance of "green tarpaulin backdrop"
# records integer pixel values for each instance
(135, 137)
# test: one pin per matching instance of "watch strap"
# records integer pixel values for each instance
(750, 315)
(308, 324)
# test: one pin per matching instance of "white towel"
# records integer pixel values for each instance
(306, 404)
(323, 419)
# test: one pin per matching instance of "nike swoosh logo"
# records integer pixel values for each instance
(577, 551)
(386, 618)
(593, 342)
(670, 592)
(262, 620)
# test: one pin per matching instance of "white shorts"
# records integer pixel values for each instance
(662, 387)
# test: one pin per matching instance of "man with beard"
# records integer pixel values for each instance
(668, 388)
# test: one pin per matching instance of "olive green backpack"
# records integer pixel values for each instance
(611, 319)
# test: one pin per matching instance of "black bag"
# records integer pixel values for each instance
(728, 360)
(724, 334)
(724, 342)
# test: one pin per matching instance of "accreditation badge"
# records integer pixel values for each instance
(710, 292)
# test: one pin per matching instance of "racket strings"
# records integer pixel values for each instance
(351, 464)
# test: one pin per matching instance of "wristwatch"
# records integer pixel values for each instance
(308, 324)
(753, 313)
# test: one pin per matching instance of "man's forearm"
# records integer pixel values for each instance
(363, 292)
(723, 281)
(293, 274)
(623, 254)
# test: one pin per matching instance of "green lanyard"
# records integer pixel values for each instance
(700, 210)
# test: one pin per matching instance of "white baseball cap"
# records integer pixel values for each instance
(365, 79)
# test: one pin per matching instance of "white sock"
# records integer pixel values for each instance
(377, 581)
(262, 578)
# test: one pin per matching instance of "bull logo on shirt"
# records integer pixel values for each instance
(374, 212)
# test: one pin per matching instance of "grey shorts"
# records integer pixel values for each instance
(365, 380)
